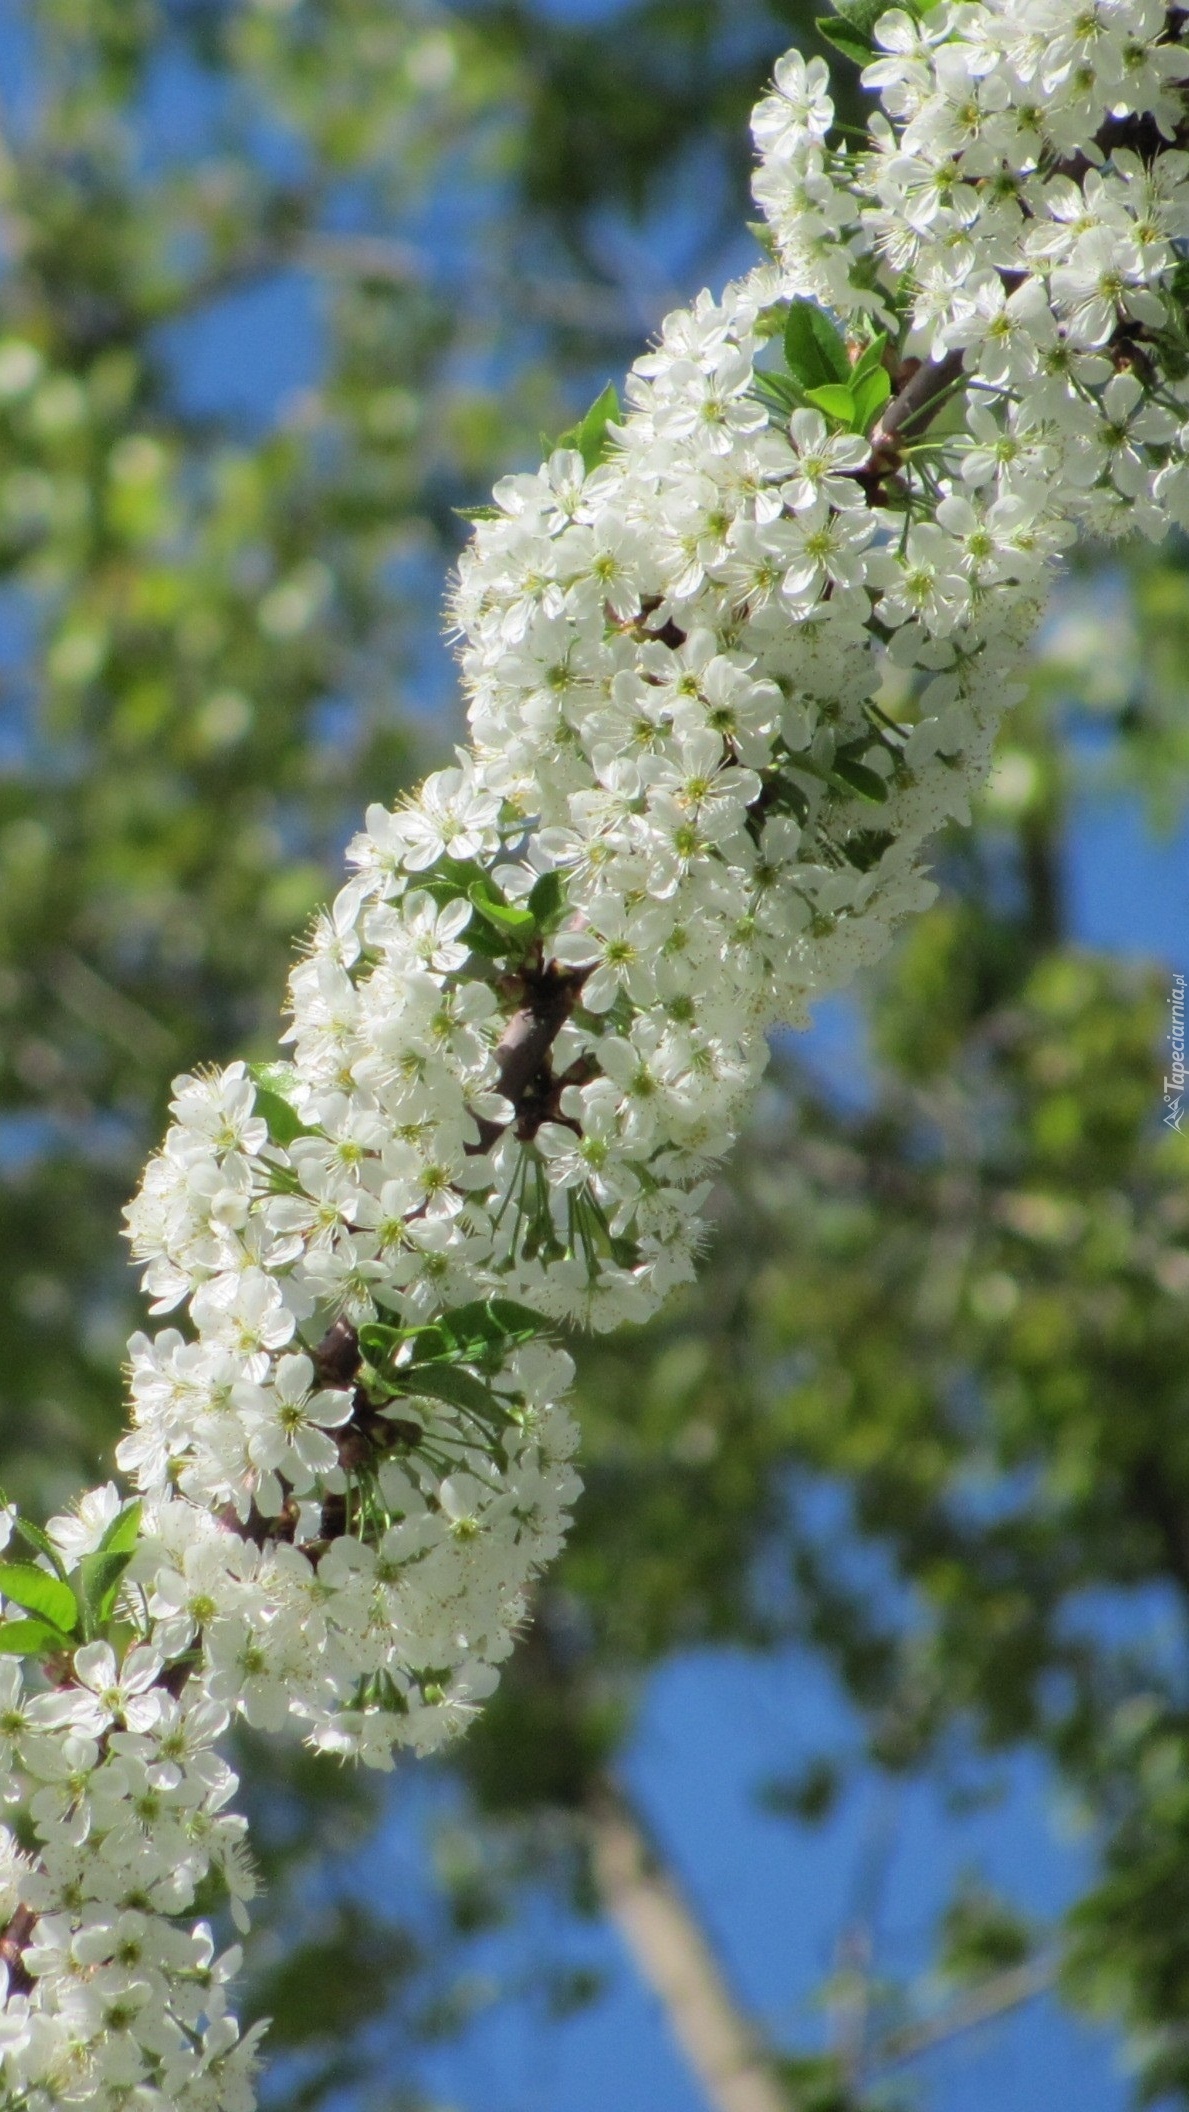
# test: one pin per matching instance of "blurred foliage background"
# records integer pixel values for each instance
(283, 284)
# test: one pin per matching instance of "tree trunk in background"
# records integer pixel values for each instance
(672, 1954)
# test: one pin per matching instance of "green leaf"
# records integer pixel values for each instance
(779, 391)
(41, 1541)
(836, 401)
(470, 1325)
(546, 901)
(589, 436)
(481, 1332)
(99, 1577)
(481, 938)
(783, 796)
(516, 923)
(847, 41)
(39, 1593)
(866, 847)
(479, 513)
(458, 1388)
(30, 1638)
(814, 349)
(869, 358)
(484, 1331)
(380, 1343)
(450, 877)
(861, 779)
(481, 887)
(429, 1342)
(862, 15)
(852, 25)
(122, 1534)
(454, 878)
(518, 1322)
(284, 1122)
(871, 394)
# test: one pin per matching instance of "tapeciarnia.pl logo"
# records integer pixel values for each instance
(1174, 1085)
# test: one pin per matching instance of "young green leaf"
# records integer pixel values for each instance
(40, 1540)
(121, 1535)
(506, 918)
(434, 1341)
(779, 391)
(40, 1593)
(866, 847)
(851, 43)
(519, 1323)
(861, 779)
(869, 358)
(814, 349)
(380, 1343)
(30, 1638)
(99, 1577)
(284, 1122)
(546, 901)
(482, 1332)
(783, 796)
(851, 27)
(589, 436)
(482, 939)
(471, 1325)
(771, 320)
(450, 877)
(836, 401)
(449, 1383)
(871, 394)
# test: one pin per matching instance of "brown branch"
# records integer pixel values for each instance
(921, 397)
(523, 1071)
(13, 1942)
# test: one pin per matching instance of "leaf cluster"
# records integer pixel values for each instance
(64, 1608)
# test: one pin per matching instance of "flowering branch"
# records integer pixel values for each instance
(527, 1029)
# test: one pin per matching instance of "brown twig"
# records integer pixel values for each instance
(921, 397)
(523, 1070)
(13, 1942)
(995, 1997)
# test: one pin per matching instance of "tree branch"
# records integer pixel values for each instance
(13, 1942)
(994, 1998)
(921, 397)
(671, 1952)
(522, 1057)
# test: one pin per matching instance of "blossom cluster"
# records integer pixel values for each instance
(1025, 201)
(107, 1998)
(731, 658)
